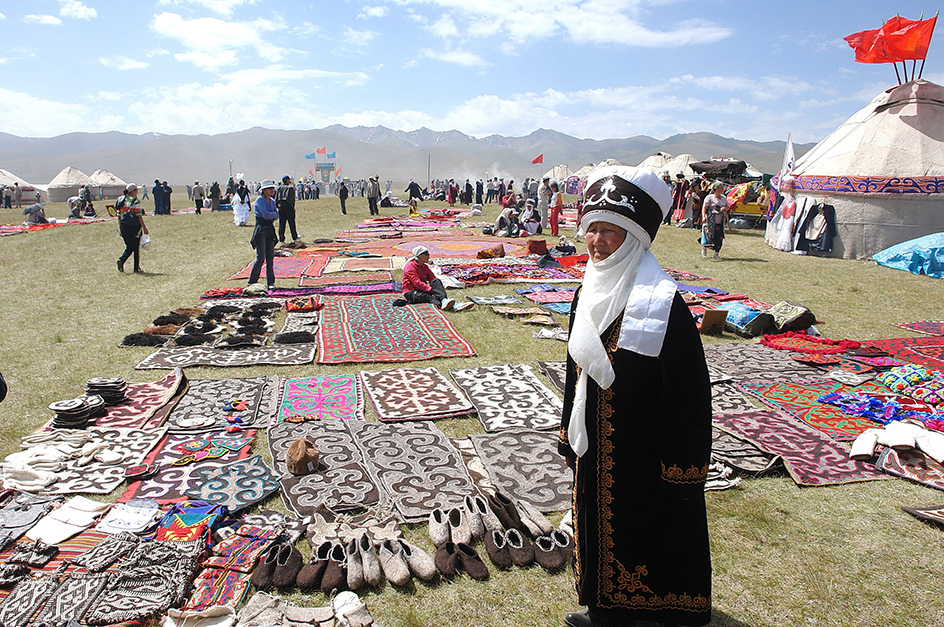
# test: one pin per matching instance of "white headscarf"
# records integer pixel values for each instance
(630, 281)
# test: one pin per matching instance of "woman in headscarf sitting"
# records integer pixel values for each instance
(530, 218)
(507, 224)
(636, 424)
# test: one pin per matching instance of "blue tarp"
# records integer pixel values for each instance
(924, 255)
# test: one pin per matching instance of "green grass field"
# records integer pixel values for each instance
(783, 555)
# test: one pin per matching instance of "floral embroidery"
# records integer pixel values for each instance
(674, 474)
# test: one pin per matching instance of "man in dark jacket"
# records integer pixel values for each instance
(158, 192)
(342, 194)
(285, 202)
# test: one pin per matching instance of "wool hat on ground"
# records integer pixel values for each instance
(266, 184)
(302, 457)
(418, 250)
(631, 198)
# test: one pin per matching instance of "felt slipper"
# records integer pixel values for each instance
(141, 471)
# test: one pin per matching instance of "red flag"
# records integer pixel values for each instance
(321, 151)
(908, 39)
(538, 159)
(863, 43)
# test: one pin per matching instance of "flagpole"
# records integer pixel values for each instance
(896, 71)
(921, 71)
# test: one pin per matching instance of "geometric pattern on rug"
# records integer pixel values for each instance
(414, 394)
(72, 598)
(237, 485)
(526, 466)
(930, 513)
(510, 397)
(799, 399)
(94, 477)
(285, 268)
(496, 272)
(556, 371)
(738, 453)
(756, 362)
(368, 329)
(342, 481)
(144, 401)
(912, 465)
(188, 356)
(23, 601)
(811, 458)
(68, 550)
(300, 321)
(562, 296)
(171, 483)
(328, 397)
(205, 398)
(459, 248)
(928, 327)
(416, 464)
(924, 351)
(384, 276)
(364, 264)
(727, 399)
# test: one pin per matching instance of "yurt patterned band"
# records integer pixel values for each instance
(871, 184)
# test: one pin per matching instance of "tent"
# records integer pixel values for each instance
(106, 184)
(66, 184)
(655, 162)
(924, 255)
(7, 178)
(682, 164)
(882, 170)
(558, 173)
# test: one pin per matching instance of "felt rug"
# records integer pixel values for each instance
(931, 513)
(285, 268)
(300, 321)
(171, 483)
(912, 465)
(924, 351)
(754, 362)
(328, 397)
(460, 248)
(202, 408)
(236, 485)
(741, 454)
(369, 329)
(800, 399)
(560, 308)
(187, 356)
(526, 466)
(928, 327)
(342, 482)
(316, 268)
(95, 477)
(510, 397)
(811, 458)
(556, 371)
(352, 289)
(384, 276)
(506, 310)
(482, 274)
(361, 264)
(504, 299)
(416, 464)
(414, 394)
(681, 275)
(727, 399)
(556, 296)
(147, 404)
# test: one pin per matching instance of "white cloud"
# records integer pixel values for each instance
(464, 58)
(26, 115)
(122, 63)
(76, 10)
(2, 16)
(368, 12)
(358, 37)
(220, 7)
(46, 20)
(212, 43)
(444, 27)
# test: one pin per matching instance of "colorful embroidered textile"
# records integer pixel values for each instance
(804, 343)
(277, 355)
(358, 264)
(561, 308)
(811, 458)
(145, 402)
(171, 483)
(316, 268)
(924, 351)
(68, 551)
(516, 311)
(414, 394)
(526, 466)
(384, 276)
(482, 274)
(217, 587)
(556, 371)
(285, 268)
(342, 481)
(912, 465)
(203, 408)
(370, 329)
(556, 296)
(510, 397)
(504, 299)
(416, 464)
(236, 485)
(545, 320)
(241, 550)
(329, 397)
(897, 379)
(302, 304)
(738, 453)
(928, 327)
(460, 247)
(930, 392)
(681, 275)
(754, 362)
(801, 400)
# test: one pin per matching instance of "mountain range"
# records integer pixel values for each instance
(259, 153)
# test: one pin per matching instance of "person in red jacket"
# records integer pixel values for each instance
(420, 285)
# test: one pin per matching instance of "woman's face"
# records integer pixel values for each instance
(603, 238)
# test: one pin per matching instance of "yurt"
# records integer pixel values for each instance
(882, 170)
(106, 185)
(558, 173)
(655, 162)
(7, 178)
(66, 184)
(681, 164)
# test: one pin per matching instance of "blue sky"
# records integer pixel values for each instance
(589, 68)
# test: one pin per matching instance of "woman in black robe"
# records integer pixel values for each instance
(636, 421)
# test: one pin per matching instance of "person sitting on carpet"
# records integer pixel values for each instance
(420, 285)
(530, 218)
(507, 225)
